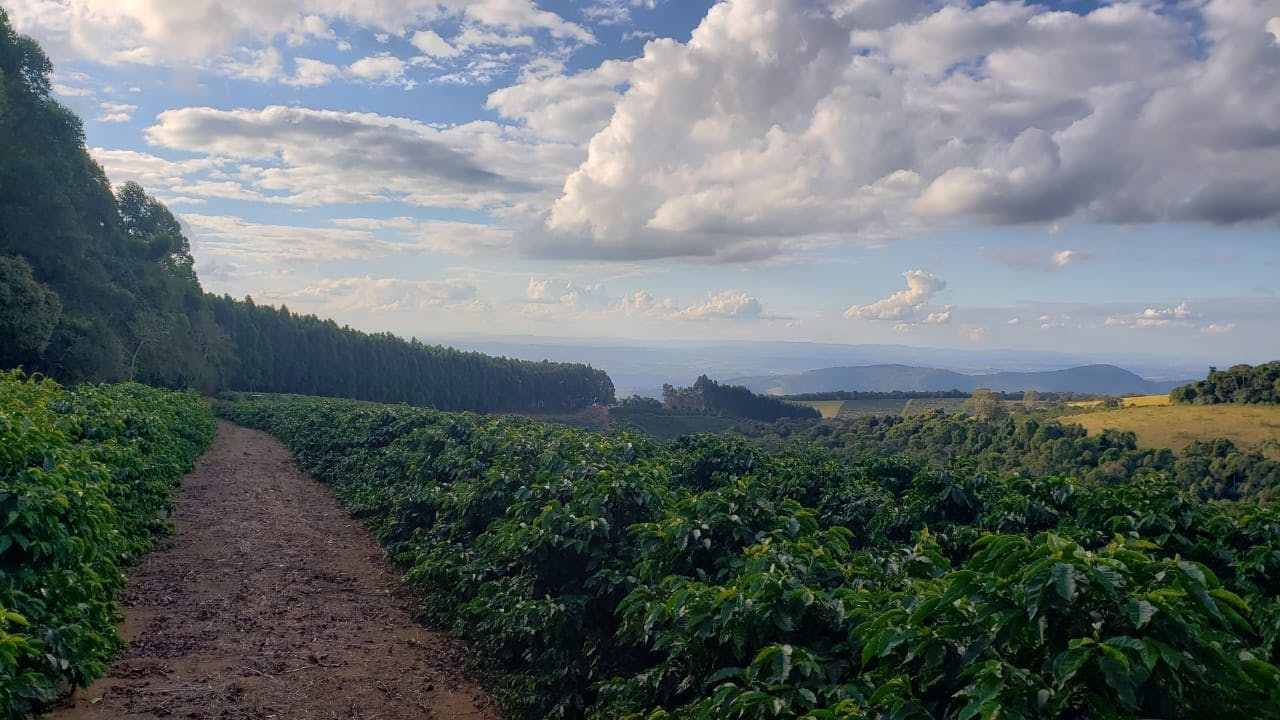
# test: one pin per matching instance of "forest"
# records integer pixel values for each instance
(1247, 384)
(708, 396)
(613, 576)
(98, 284)
(279, 351)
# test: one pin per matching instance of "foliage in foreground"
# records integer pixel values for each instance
(84, 473)
(611, 576)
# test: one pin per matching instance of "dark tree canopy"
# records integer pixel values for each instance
(707, 395)
(1249, 384)
(28, 313)
(280, 351)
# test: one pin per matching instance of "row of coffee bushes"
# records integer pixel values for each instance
(85, 474)
(612, 576)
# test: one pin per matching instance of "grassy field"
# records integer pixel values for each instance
(1135, 401)
(924, 405)
(881, 406)
(1146, 400)
(1175, 426)
(828, 408)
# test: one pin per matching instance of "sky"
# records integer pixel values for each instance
(1066, 176)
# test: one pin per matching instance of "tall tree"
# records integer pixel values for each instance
(986, 405)
(28, 313)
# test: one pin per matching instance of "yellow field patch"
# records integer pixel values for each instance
(1176, 426)
(828, 408)
(1146, 400)
(1135, 401)
(1084, 403)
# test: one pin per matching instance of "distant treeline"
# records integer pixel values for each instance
(280, 351)
(99, 285)
(1247, 384)
(707, 395)
(1213, 469)
(875, 395)
(1030, 395)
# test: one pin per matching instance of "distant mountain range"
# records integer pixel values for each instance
(643, 366)
(1100, 379)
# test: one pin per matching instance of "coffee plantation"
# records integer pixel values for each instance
(84, 474)
(614, 576)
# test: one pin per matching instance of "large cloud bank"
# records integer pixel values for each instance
(790, 121)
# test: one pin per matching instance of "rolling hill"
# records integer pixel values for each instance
(1101, 379)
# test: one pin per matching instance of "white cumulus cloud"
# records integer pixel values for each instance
(384, 68)
(909, 305)
(1218, 328)
(1153, 317)
(309, 72)
(786, 120)
(567, 293)
(162, 32)
(430, 43)
(729, 304)
(117, 112)
(1063, 258)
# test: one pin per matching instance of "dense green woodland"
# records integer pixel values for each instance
(1212, 469)
(613, 576)
(708, 396)
(98, 284)
(94, 284)
(705, 406)
(84, 473)
(279, 351)
(1237, 384)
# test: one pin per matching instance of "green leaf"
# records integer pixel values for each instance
(12, 617)
(1069, 662)
(886, 691)
(1230, 598)
(1192, 570)
(1064, 580)
(773, 664)
(1140, 612)
(1199, 593)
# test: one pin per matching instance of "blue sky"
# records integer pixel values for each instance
(1062, 176)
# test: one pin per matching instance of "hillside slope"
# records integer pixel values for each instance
(1101, 379)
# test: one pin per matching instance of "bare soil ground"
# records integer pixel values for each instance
(269, 602)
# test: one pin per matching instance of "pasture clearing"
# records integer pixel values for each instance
(1176, 426)
(875, 407)
(828, 408)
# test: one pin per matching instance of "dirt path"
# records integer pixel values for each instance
(269, 602)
